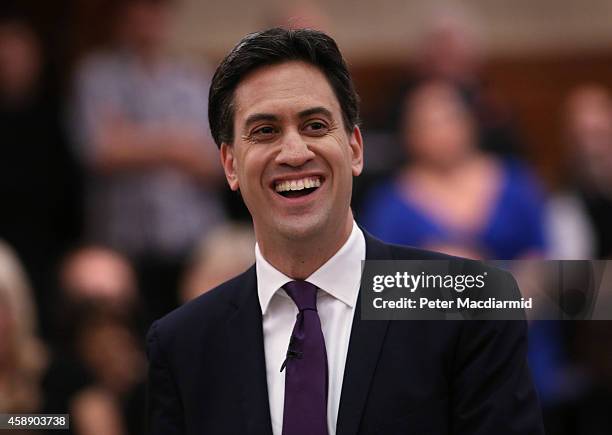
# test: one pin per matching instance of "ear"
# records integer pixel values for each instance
(356, 148)
(228, 161)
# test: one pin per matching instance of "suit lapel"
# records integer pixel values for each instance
(245, 337)
(364, 349)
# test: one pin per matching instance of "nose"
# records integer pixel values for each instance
(294, 151)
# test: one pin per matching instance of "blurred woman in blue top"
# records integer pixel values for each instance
(451, 196)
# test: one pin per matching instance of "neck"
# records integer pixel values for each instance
(298, 258)
(450, 169)
(147, 56)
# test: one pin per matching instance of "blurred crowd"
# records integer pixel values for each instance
(114, 208)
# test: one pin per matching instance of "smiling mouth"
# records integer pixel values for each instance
(297, 188)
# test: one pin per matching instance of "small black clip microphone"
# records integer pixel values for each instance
(291, 353)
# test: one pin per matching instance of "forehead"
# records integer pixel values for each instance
(284, 89)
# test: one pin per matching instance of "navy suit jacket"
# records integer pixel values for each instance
(207, 373)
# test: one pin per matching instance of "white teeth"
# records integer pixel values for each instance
(303, 183)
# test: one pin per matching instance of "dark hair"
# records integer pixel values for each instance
(271, 47)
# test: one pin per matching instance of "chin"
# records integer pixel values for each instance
(301, 227)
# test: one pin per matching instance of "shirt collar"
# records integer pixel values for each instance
(336, 277)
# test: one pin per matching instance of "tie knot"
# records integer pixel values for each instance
(303, 293)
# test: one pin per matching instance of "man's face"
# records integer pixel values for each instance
(292, 158)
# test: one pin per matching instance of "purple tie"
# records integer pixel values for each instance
(305, 411)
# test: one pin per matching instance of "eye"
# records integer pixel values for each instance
(264, 132)
(316, 128)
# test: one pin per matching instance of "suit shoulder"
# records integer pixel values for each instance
(460, 264)
(400, 252)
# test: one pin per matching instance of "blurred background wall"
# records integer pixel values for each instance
(380, 29)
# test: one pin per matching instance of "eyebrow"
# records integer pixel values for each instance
(315, 111)
(256, 117)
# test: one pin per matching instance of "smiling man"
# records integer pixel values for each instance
(282, 349)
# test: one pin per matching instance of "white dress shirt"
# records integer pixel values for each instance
(338, 280)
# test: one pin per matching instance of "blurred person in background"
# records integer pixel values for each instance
(98, 366)
(570, 366)
(581, 212)
(141, 126)
(96, 275)
(579, 216)
(102, 275)
(450, 50)
(91, 276)
(113, 403)
(22, 356)
(39, 181)
(451, 196)
(226, 252)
